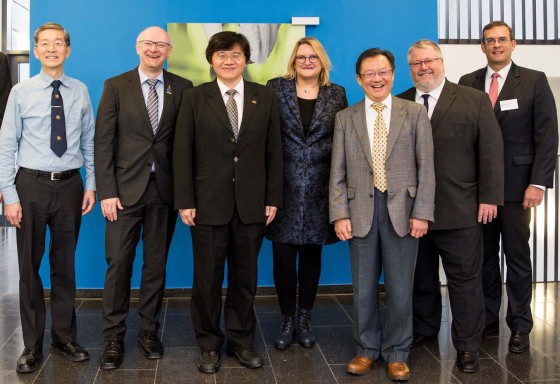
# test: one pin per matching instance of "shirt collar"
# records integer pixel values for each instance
(435, 93)
(502, 72)
(47, 80)
(239, 87)
(143, 76)
(387, 102)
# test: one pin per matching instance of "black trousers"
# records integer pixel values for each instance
(513, 225)
(239, 244)
(58, 206)
(288, 272)
(155, 220)
(461, 256)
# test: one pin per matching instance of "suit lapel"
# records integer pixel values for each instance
(289, 89)
(360, 125)
(167, 99)
(320, 103)
(512, 81)
(138, 97)
(446, 98)
(216, 102)
(480, 79)
(250, 104)
(398, 114)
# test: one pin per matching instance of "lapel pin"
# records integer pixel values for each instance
(168, 89)
(254, 101)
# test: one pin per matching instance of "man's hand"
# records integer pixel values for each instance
(13, 213)
(533, 197)
(109, 208)
(270, 213)
(187, 216)
(343, 229)
(88, 202)
(418, 227)
(487, 212)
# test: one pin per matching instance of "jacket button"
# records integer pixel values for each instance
(236, 159)
(232, 140)
(233, 180)
(371, 195)
(371, 172)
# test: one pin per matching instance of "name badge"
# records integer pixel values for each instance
(506, 105)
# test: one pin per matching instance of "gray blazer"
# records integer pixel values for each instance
(409, 168)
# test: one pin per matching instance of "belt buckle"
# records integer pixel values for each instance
(56, 176)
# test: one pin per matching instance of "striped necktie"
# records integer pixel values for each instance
(231, 107)
(152, 104)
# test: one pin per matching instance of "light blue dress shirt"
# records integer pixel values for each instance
(25, 136)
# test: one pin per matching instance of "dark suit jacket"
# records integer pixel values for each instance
(530, 132)
(216, 174)
(468, 155)
(125, 145)
(5, 84)
(304, 217)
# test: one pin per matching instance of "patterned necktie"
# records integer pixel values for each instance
(58, 128)
(231, 107)
(152, 104)
(426, 96)
(379, 149)
(493, 91)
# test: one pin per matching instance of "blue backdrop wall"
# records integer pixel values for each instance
(103, 34)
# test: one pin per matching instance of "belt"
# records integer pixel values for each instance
(54, 176)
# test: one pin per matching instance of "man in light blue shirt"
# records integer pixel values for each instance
(41, 187)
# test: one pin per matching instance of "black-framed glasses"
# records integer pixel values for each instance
(312, 59)
(428, 62)
(150, 43)
(371, 74)
(492, 41)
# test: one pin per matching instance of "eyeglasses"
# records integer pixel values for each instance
(47, 44)
(428, 62)
(492, 41)
(312, 59)
(235, 56)
(369, 75)
(150, 44)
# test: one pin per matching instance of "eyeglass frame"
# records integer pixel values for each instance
(372, 74)
(301, 59)
(428, 62)
(59, 43)
(235, 56)
(150, 44)
(500, 40)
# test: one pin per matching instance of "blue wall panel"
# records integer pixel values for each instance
(103, 35)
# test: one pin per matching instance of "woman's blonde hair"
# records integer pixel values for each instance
(319, 51)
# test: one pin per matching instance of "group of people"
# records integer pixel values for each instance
(441, 170)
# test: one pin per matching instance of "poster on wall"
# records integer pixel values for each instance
(271, 47)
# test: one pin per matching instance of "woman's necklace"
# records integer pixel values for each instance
(308, 90)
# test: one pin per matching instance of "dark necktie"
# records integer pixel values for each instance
(152, 104)
(231, 107)
(426, 96)
(58, 129)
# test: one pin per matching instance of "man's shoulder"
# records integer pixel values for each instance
(179, 80)
(409, 94)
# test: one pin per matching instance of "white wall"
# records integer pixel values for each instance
(463, 58)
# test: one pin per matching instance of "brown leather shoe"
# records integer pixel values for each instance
(359, 365)
(398, 371)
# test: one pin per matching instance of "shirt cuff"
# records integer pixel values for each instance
(538, 186)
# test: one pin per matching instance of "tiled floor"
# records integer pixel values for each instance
(433, 363)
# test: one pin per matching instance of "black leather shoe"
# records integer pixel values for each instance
(306, 337)
(113, 354)
(492, 329)
(152, 347)
(248, 358)
(287, 332)
(467, 361)
(209, 362)
(71, 351)
(518, 342)
(29, 360)
(418, 340)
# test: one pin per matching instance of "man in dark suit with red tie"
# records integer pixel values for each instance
(526, 111)
(227, 164)
(133, 152)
